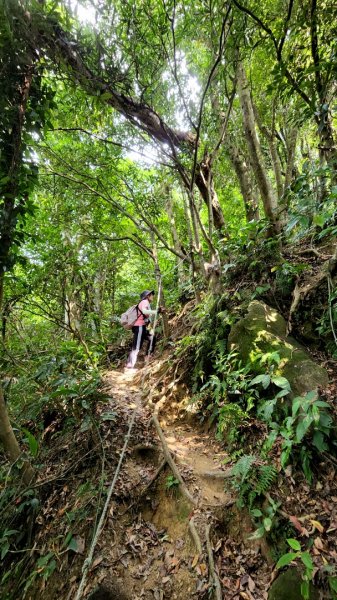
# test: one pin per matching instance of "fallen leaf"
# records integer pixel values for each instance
(251, 584)
(195, 561)
(317, 525)
(202, 569)
(298, 526)
(77, 544)
(318, 543)
(96, 562)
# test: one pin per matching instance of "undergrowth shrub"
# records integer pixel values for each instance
(63, 382)
(251, 479)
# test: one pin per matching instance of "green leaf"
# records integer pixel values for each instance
(32, 442)
(305, 590)
(319, 441)
(111, 416)
(286, 559)
(302, 428)
(296, 405)
(333, 583)
(258, 534)
(282, 393)
(67, 538)
(319, 219)
(267, 523)
(294, 544)
(4, 549)
(73, 544)
(322, 404)
(306, 560)
(264, 379)
(256, 512)
(281, 382)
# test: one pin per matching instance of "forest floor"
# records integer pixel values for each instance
(156, 544)
(147, 550)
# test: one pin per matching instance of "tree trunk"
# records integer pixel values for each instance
(291, 141)
(256, 159)
(205, 184)
(245, 181)
(157, 271)
(10, 443)
(276, 165)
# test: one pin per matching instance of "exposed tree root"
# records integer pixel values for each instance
(195, 536)
(171, 462)
(147, 487)
(301, 291)
(216, 474)
(213, 577)
(154, 477)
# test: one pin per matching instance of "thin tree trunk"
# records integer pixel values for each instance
(276, 165)
(291, 141)
(10, 443)
(271, 139)
(205, 184)
(188, 218)
(262, 180)
(157, 271)
(181, 278)
(245, 181)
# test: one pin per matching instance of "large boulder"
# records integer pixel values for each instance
(264, 330)
(287, 586)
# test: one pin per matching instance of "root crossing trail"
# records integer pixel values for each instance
(195, 452)
(159, 543)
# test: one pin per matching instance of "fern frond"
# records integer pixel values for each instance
(241, 469)
(265, 478)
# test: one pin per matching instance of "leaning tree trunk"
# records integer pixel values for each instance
(256, 159)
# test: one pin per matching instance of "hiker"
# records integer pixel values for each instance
(139, 329)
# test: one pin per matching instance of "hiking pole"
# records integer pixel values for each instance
(155, 320)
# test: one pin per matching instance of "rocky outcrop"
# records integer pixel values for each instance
(287, 586)
(263, 330)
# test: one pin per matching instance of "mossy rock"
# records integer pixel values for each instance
(288, 587)
(263, 330)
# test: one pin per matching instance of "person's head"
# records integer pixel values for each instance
(149, 294)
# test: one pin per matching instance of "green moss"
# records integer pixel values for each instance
(288, 587)
(263, 331)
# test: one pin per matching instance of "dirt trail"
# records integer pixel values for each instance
(196, 452)
(149, 545)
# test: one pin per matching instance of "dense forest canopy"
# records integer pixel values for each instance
(180, 146)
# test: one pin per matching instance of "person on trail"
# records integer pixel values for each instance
(139, 329)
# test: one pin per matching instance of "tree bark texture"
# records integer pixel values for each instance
(10, 443)
(60, 48)
(291, 141)
(246, 183)
(180, 276)
(256, 159)
(205, 184)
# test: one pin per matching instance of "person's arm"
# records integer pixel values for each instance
(146, 310)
